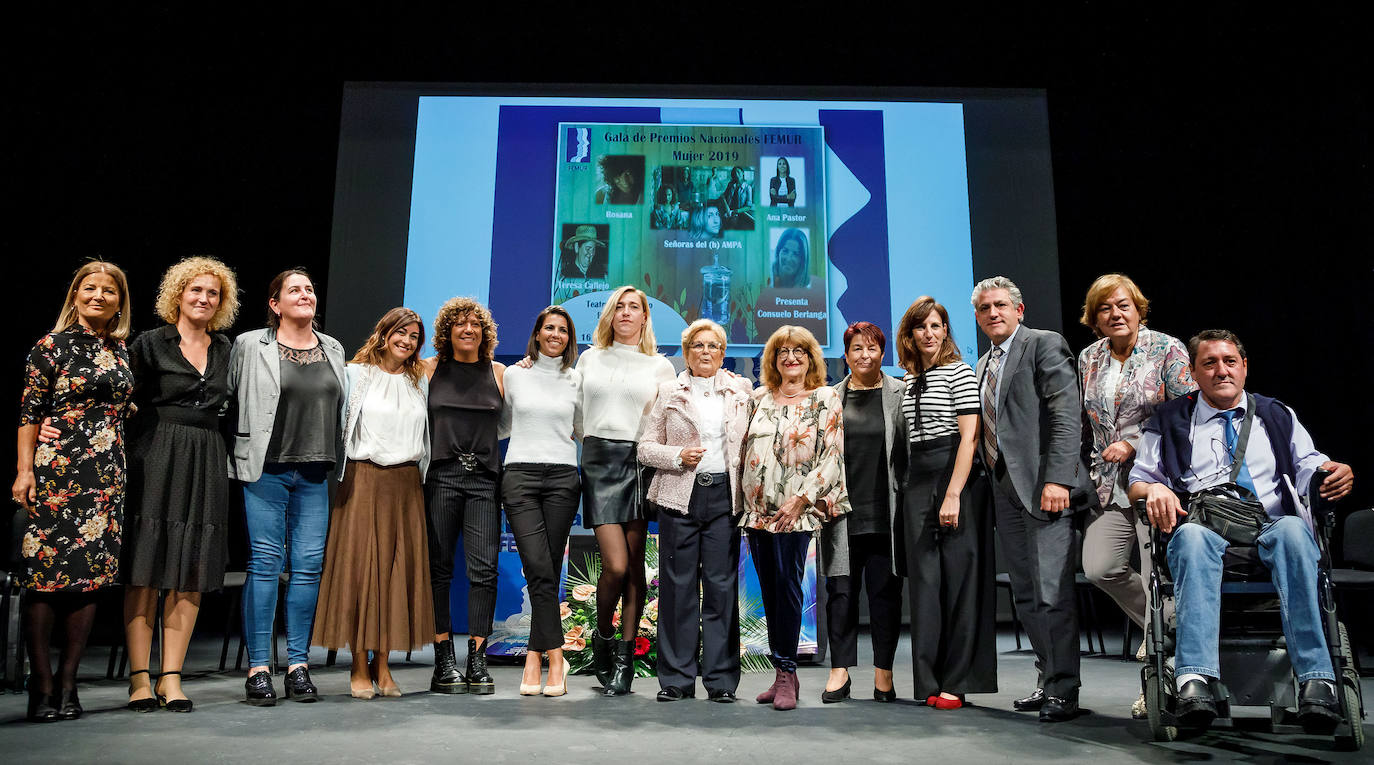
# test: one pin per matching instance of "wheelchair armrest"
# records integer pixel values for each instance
(1141, 511)
(1321, 507)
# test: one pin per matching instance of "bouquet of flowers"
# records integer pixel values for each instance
(579, 620)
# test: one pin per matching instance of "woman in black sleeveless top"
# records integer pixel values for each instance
(465, 399)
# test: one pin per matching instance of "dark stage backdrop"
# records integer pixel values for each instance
(1222, 159)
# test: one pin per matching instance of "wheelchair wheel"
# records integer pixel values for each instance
(1154, 706)
(1353, 709)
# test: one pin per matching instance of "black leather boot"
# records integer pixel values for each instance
(622, 669)
(479, 679)
(602, 648)
(447, 678)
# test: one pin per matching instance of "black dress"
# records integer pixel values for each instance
(177, 527)
(81, 381)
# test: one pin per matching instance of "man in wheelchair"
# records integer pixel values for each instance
(1210, 439)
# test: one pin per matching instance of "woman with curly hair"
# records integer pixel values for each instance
(374, 594)
(176, 533)
(77, 377)
(465, 402)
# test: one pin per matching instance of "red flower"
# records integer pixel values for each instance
(641, 646)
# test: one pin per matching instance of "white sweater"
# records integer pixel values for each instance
(618, 388)
(543, 413)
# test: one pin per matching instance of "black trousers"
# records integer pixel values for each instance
(870, 565)
(461, 501)
(1040, 561)
(952, 595)
(780, 562)
(541, 502)
(699, 553)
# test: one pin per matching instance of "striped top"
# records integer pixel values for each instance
(947, 392)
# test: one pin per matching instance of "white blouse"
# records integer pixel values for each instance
(543, 412)
(391, 421)
(710, 424)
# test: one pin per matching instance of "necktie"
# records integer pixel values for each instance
(990, 405)
(1229, 429)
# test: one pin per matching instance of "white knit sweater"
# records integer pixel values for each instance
(618, 388)
(543, 412)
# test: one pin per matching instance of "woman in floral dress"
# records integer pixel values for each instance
(793, 482)
(78, 375)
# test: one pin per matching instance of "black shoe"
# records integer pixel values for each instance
(480, 681)
(676, 693)
(1319, 711)
(1056, 709)
(43, 707)
(447, 678)
(149, 704)
(602, 650)
(299, 688)
(173, 705)
(721, 696)
(1194, 705)
(837, 695)
(622, 669)
(259, 691)
(69, 706)
(1031, 703)
(887, 697)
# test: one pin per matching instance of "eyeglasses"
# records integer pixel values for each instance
(796, 352)
(712, 347)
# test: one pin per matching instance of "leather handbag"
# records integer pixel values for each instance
(1234, 513)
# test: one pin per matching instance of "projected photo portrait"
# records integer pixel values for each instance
(791, 266)
(708, 220)
(622, 179)
(583, 253)
(785, 185)
(668, 213)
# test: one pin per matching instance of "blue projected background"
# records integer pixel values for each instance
(896, 204)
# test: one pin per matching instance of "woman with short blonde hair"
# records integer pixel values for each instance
(178, 511)
(621, 374)
(793, 481)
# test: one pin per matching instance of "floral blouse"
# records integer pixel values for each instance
(1155, 372)
(792, 450)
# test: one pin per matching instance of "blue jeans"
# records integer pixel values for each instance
(1288, 550)
(287, 511)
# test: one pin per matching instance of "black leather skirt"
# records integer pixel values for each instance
(614, 484)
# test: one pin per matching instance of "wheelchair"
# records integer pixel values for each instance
(1254, 660)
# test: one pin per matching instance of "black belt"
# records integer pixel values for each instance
(711, 479)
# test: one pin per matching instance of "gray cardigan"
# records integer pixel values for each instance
(255, 382)
(834, 546)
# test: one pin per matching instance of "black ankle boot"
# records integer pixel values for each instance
(479, 679)
(622, 669)
(602, 648)
(447, 678)
(69, 706)
(42, 706)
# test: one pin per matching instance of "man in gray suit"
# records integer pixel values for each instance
(1030, 445)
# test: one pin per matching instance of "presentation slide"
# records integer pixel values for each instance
(679, 211)
(754, 214)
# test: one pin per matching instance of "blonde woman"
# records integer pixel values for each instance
(621, 373)
(466, 392)
(176, 534)
(794, 481)
(78, 376)
(374, 594)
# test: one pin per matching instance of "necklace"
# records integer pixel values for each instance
(782, 390)
(855, 385)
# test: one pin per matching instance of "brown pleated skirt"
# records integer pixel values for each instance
(375, 592)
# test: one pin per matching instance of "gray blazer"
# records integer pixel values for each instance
(255, 382)
(1039, 425)
(834, 546)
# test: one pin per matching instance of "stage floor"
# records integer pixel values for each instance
(583, 727)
